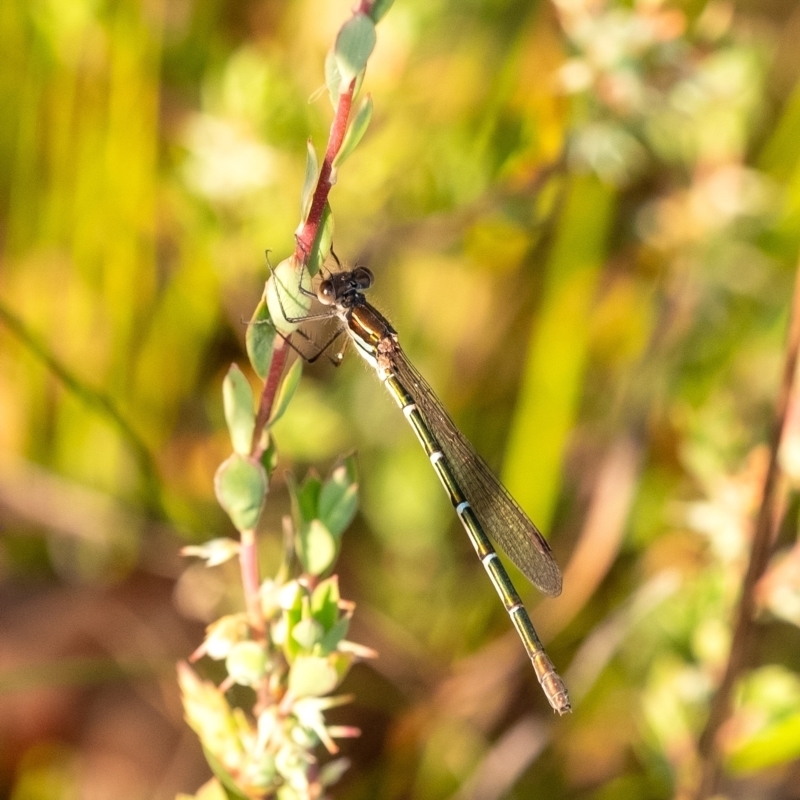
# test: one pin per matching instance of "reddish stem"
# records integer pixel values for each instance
(305, 241)
(306, 237)
(248, 563)
(248, 557)
(273, 381)
(742, 643)
(248, 553)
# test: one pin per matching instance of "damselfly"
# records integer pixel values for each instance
(481, 502)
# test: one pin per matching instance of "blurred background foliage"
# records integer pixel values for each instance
(584, 220)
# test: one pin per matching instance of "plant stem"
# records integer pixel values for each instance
(279, 354)
(742, 643)
(305, 240)
(248, 557)
(248, 563)
(306, 237)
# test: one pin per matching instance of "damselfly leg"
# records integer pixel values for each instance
(335, 360)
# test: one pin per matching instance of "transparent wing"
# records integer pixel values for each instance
(502, 518)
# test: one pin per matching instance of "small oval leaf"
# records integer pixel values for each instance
(269, 454)
(325, 602)
(307, 633)
(322, 242)
(310, 182)
(228, 784)
(246, 663)
(338, 500)
(355, 132)
(286, 392)
(260, 339)
(354, 45)
(333, 771)
(312, 676)
(241, 487)
(316, 548)
(333, 80)
(330, 641)
(379, 9)
(237, 398)
(338, 516)
(285, 300)
(223, 634)
(305, 498)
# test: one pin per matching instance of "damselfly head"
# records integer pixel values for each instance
(326, 293)
(362, 278)
(342, 285)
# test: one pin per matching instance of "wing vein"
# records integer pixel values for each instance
(500, 515)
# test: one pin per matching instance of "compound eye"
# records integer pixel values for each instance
(325, 293)
(363, 277)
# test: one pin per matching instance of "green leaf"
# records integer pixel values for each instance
(241, 487)
(305, 498)
(223, 634)
(310, 182)
(307, 633)
(379, 9)
(223, 776)
(333, 771)
(355, 132)
(269, 456)
(341, 662)
(338, 501)
(214, 551)
(260, 339)
(311, 676)
(330, 641)
(322, 242)
(284, 298)
(292, 598)
(237, 398)
(354, 45)
(359, 81)
(325, 602)
(286, 392)
(316, 548)
(246, 663)
(333, 80)
(350, 465)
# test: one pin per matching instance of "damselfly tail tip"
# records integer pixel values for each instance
(559, 699)
(563, 707)
(553, 686)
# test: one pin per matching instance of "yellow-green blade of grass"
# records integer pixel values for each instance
(553, 378)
